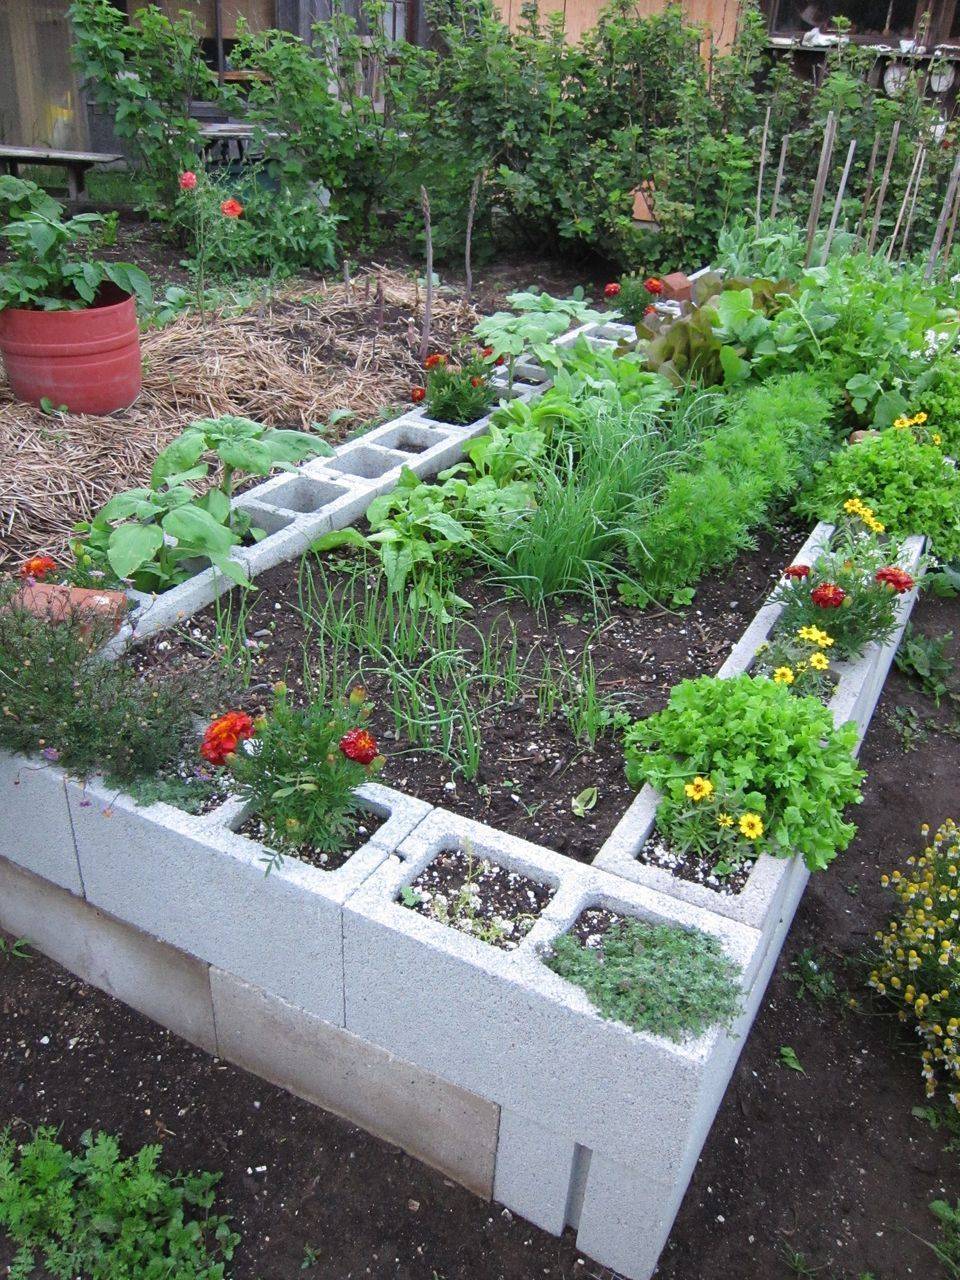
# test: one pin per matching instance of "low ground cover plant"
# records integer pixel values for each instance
(743, 768)
(800, 660)
(61, 700)
(98, 1214)
(851, 591)
(918, 966)
(659, 978)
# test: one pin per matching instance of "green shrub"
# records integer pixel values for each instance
(659, 978)
(908, 484)
(778, 755)
(60, 698)
(941, 403)
(101, 1216)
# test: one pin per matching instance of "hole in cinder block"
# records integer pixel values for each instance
(477, 896)
(410, 438)
(363, 461)
(268, 520)
(304, 494)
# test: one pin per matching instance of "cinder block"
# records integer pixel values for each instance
(157, 980)
(35, 828)
(534, 1172)
(445, 1126)
(503, 1025)
(197, 885)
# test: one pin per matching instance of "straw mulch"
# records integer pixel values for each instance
(289, 362)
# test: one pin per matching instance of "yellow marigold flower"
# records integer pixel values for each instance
(819, 661)
(724, 820)
(853, 506)
(751, 826)
(919, 419)
(699, 788)
(937, 438)
(783, 675)
(900, 423)
(815, 635)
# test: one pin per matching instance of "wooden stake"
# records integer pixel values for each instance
(948, 243)
(468, 247)
(867, 190)
(763, 161)
(779, 180)
(913, 203)
(839, 200)
(949, 202)
(823, 169)
(884, 183)
(903, 203)
(428, 304)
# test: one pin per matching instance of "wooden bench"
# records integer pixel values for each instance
(76, 163)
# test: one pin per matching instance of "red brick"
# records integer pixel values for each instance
(58, 602)
(676, 286)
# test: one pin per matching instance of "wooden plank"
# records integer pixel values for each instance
(780, 168)
(44, 155)
(949, 203)
(819, 186)
(763, 163)
(837, 204)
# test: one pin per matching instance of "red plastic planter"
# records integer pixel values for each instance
(87, 360)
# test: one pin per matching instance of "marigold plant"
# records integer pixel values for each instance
(919, 965)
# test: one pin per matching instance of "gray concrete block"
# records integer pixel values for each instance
(626, 1217)
(157, 980)
(445, 1126)
(534, 1172)
(35, 831)
(197, 885)
(502, 1025)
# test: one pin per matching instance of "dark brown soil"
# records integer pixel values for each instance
(479, 897)
(830, 1165)
(691, 865)
(530, 771)
(255, 828)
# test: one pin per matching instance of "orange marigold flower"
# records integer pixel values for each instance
(653, 285)
(223, 736)
(431, 362)
(828, 596)
(796, 571)
(359, 745)
(231, 208)
(611, 290)
(37, 567)
(896, 578)
(187, 180)
(417, 394)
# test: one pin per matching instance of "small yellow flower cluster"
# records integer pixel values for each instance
(917, 420)
(783, 675)
(858, 508)
(814, 635)
(750, 825)
(920, 966)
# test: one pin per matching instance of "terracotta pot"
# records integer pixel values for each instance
(88, 360)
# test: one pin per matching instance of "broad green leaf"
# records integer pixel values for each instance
(133, 545)
(195, 527)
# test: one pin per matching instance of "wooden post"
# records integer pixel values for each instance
(823, 169)
(949, 202)
(837, 204)
(763, 161)
(903, 203)
(428, 245)
(779, 180)
(884, 183)
(913, 203)
(948, 243)
(467, 254)
(867, 190)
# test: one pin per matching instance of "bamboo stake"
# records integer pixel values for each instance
(763, 161)
(948, 243)
(867, 190)
(468, 247)
(779, 180)
(823, 169)
(903, 203)
(884, 183)
(837, 204)
(949, 201)
(428, 244)
(913, 203)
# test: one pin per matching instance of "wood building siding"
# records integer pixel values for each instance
(718, 16)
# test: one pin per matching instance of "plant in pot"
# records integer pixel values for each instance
(68, 324)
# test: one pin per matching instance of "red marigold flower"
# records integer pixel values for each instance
(500, 360)
(651, 310)
(895, 577)
(37, 567)
(360, 745)
(486, 352)
(653, 285)
(828, 596)
(796, 571)
(431, 362)
(231, 208)
(188, 180)
(611, 290)
(223, 736)
(475, 382)
(417, 394)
